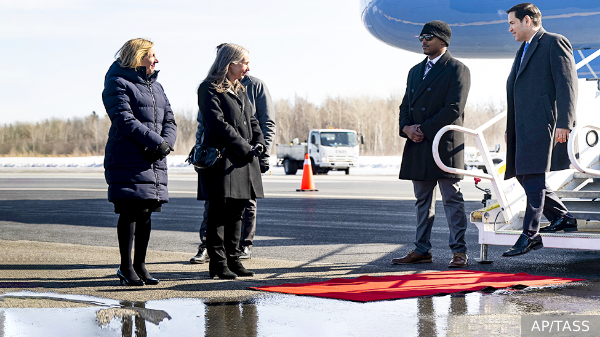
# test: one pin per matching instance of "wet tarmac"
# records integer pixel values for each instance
(496, 313)
(58, 263)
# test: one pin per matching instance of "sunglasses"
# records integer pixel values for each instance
(426, 37)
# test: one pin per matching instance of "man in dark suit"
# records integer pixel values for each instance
(542, 94)
(436, 93)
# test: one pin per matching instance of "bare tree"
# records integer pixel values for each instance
(374, 119)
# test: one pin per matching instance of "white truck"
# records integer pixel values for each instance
(328, 149)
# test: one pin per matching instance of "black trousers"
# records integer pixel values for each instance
(540, 200)
(248, 224)
(223, 230)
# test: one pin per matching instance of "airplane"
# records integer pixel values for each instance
(480, 27)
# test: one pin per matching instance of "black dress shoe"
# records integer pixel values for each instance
(524, 245)
(201, 257)
(128, 281)
(246, 254)
(568, 224)
(237, 267)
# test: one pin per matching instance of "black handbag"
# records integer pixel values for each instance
(203, 156)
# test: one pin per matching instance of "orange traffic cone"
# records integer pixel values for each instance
(307, 180)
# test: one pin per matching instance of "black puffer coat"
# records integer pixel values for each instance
(141, 119)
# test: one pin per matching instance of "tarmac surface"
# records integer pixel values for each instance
(59, 259)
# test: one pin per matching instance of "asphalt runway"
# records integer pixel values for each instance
(360, 221)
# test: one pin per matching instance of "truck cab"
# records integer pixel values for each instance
(328, 149)
(333, 149)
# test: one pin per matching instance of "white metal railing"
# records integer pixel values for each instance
(481, 144)
(487, 160)
(571, 149)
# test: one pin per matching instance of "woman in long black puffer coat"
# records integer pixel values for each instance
(142, 134)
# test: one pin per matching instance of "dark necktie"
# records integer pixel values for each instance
(427, 68)
(524, 51)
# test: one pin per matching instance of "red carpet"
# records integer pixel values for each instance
(370, 288)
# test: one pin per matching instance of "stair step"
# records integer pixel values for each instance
(578, 194)
(579, 175)
(585, 215)
(579, 205)
(580, 234)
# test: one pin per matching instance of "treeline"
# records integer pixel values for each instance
(80, 136)
(375, 119)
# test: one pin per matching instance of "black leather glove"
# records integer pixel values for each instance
(150, 156)
(263, 161)
(164, 149)
(258, 149)
(160, 153)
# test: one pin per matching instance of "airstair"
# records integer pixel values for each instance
(501, 222)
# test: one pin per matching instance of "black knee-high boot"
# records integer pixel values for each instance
(125, 234)
(142, 237)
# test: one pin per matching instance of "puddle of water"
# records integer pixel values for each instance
(495, 314)
(105, 318)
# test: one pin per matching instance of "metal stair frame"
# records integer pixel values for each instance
(571, 149)
(511, 197)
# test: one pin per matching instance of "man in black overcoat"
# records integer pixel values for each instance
(542, 96)
(436, 93)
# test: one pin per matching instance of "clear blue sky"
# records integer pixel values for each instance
(54, 54)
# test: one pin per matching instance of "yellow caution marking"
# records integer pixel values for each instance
(478, 214)
(502, 169)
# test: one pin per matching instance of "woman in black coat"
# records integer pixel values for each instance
(229, 124)
(142, 134)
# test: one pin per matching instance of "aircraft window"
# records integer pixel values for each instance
(339, 139)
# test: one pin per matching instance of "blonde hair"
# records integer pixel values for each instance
(227, 53)
(132, 52)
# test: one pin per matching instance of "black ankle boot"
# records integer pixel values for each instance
(222, 272)
(237, 267)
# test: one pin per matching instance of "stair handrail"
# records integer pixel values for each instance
(492, 174)
(481, 144)
(571, 149)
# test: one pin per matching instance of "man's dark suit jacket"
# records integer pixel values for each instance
(542, 96)
(434, 102)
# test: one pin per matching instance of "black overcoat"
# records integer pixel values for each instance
(142, 119)
(434, 102)
(229, 124)
(541, 96)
